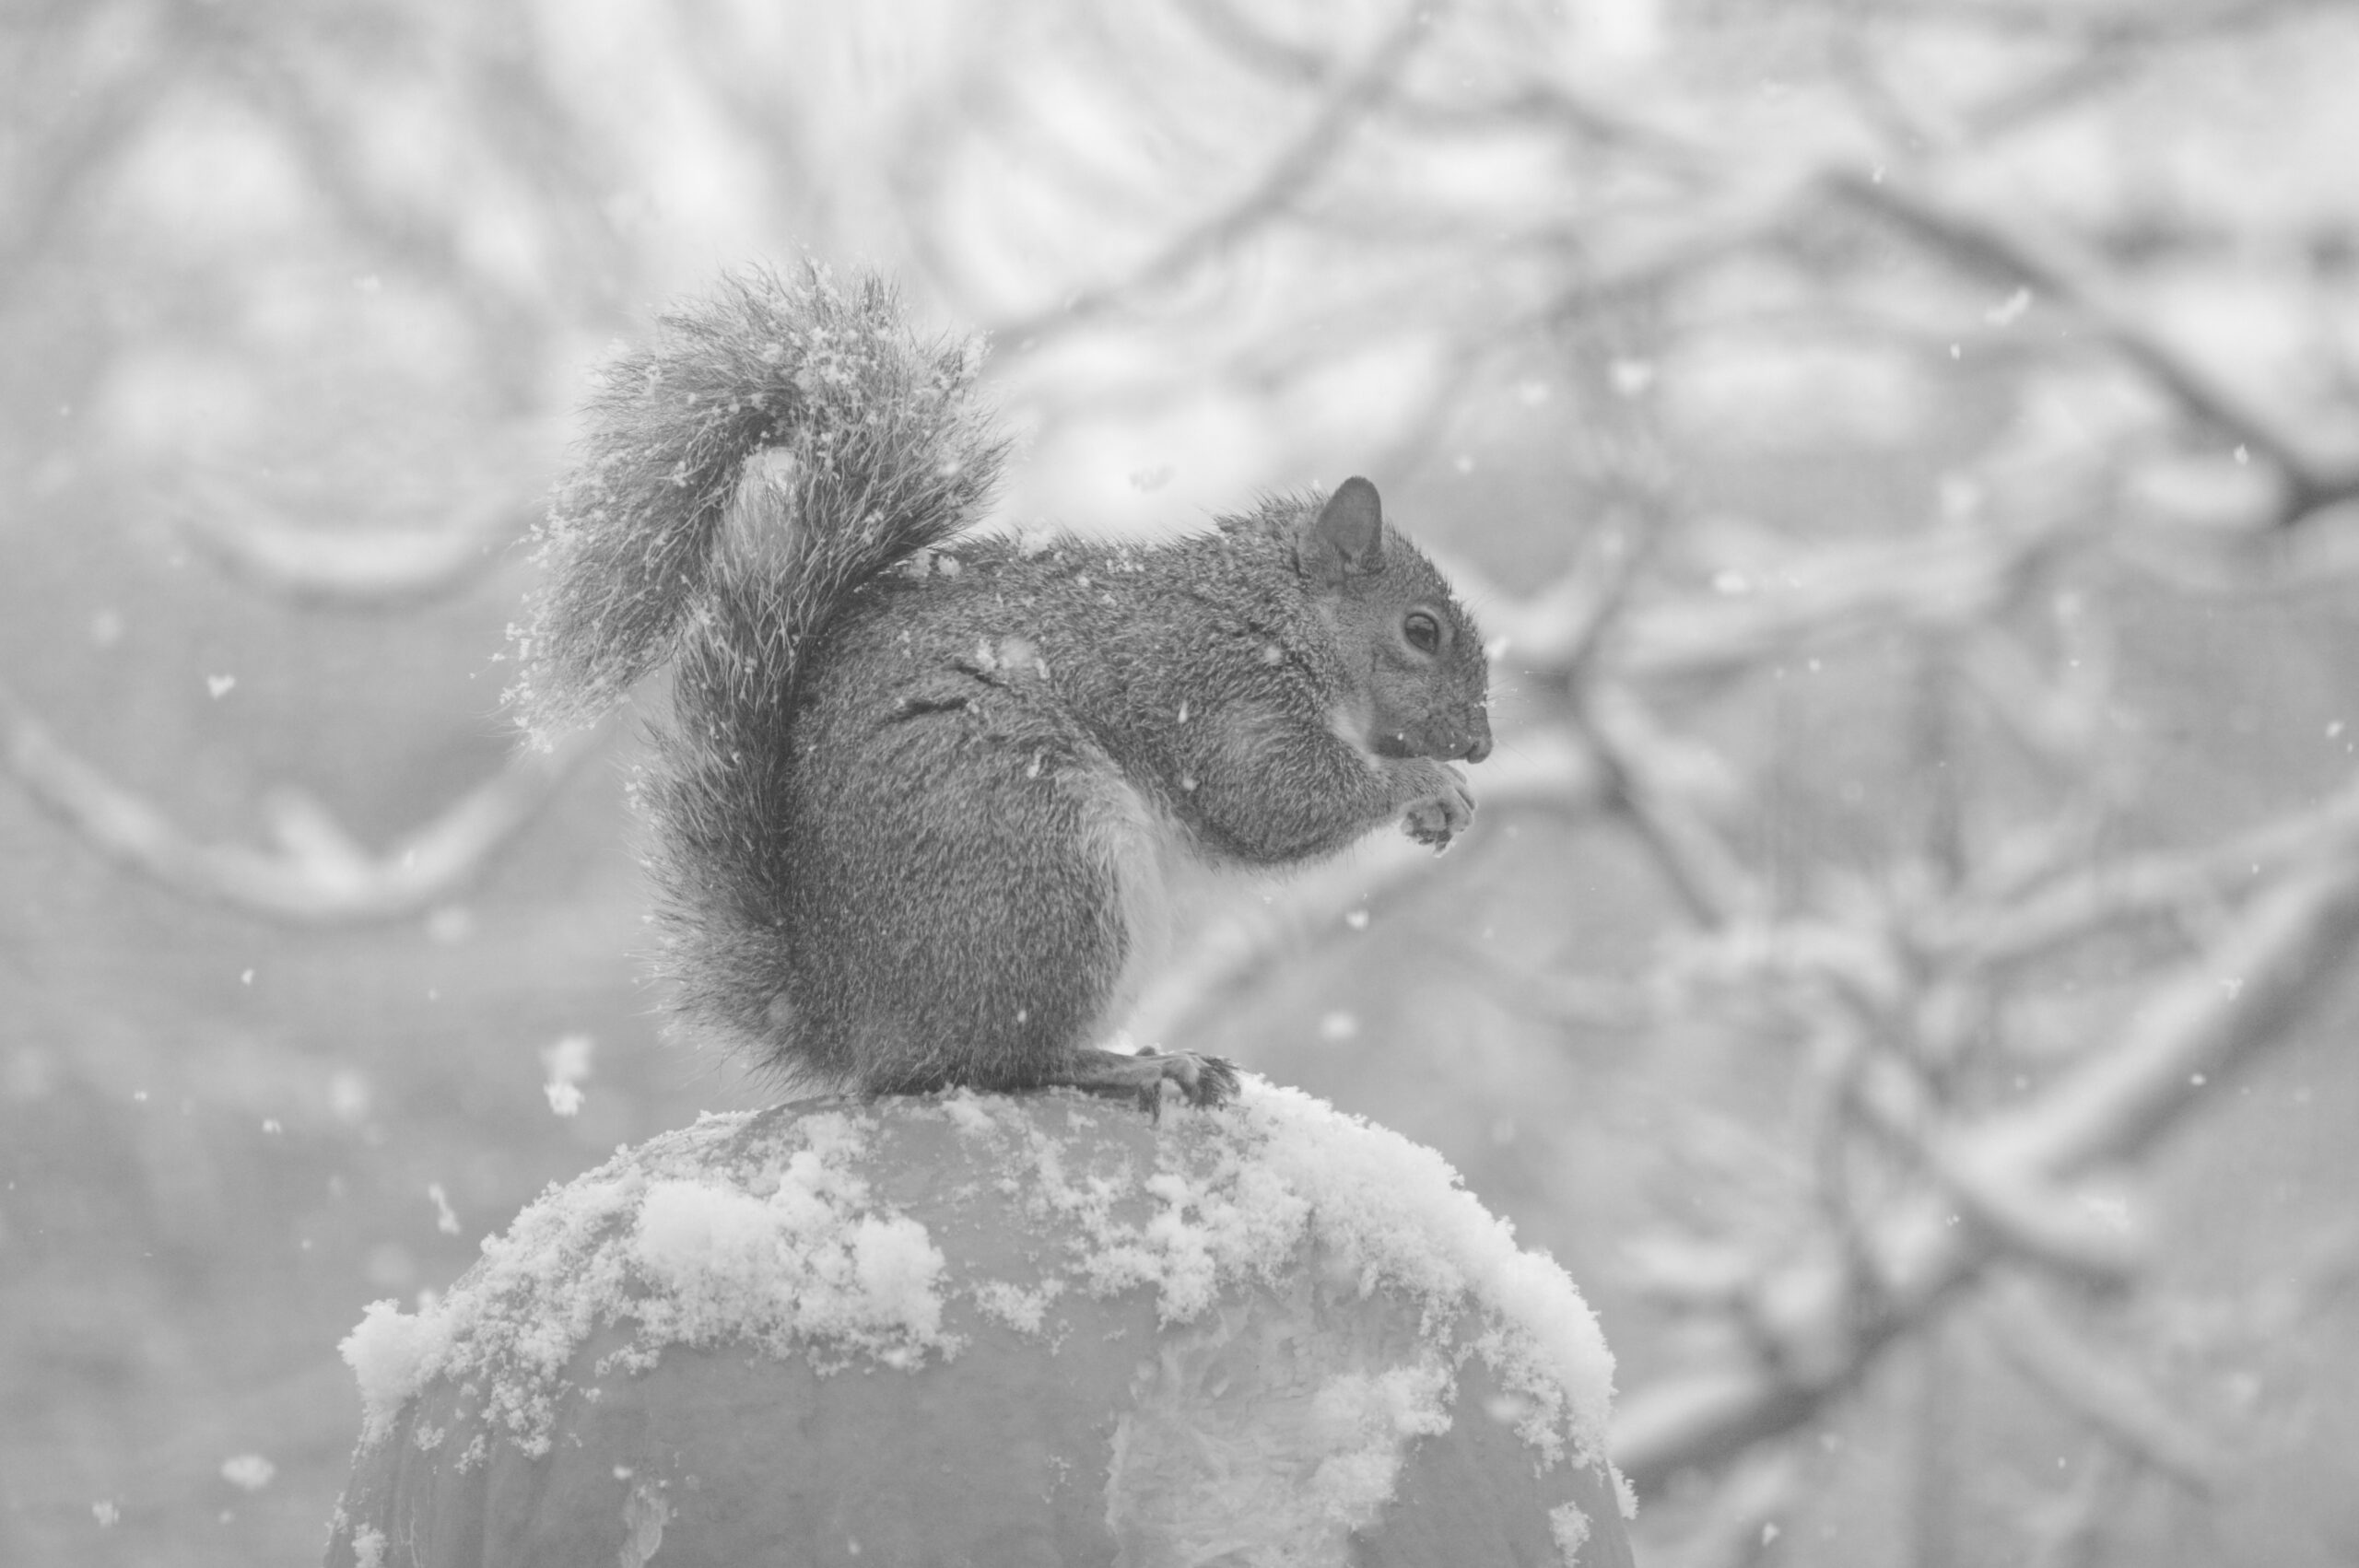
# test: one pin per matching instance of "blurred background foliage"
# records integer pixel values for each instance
(1906, 450)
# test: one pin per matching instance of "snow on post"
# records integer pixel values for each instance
(1032, 1330)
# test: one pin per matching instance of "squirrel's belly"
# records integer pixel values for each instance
(1145, 856)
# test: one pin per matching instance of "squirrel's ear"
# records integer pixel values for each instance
(1347, 539)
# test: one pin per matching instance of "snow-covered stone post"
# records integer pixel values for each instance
(1035, 1331)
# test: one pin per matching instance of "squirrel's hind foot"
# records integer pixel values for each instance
(1203, 1080)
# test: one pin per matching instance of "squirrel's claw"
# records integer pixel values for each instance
(1201, 1081)
(1204, 1081)
(1218, 1083)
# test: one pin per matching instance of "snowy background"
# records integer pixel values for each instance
(1911, 449)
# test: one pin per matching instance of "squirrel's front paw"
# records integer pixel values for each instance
(1442, 816)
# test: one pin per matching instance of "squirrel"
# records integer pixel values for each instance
(914, 805)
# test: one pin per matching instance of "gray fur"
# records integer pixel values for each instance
(911, 798)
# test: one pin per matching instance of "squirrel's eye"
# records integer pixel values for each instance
(1423, 631)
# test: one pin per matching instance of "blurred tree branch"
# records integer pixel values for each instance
(1295, 165)
(2227, 1005)
(2319, 473)
(2031, 1335)
(317, 875)
(298, 560)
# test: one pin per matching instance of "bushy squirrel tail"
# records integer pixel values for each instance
(776, 446)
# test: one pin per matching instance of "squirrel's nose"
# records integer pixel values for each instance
(1480, 746)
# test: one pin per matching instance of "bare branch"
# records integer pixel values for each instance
(2104, 897)
(2090, 1380)
(2022, 1212)
(2282, 950)
(1951, 578)
(1707, 1416)
(2287, 948)
(2253, 559)
(1686, 237)
(1235, 31)
(2092, 21)
(61, 163)
(1296, 165)
(1699, 864)
(415, 235)
(319, 875)
(2318, 474)
(349, 567)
